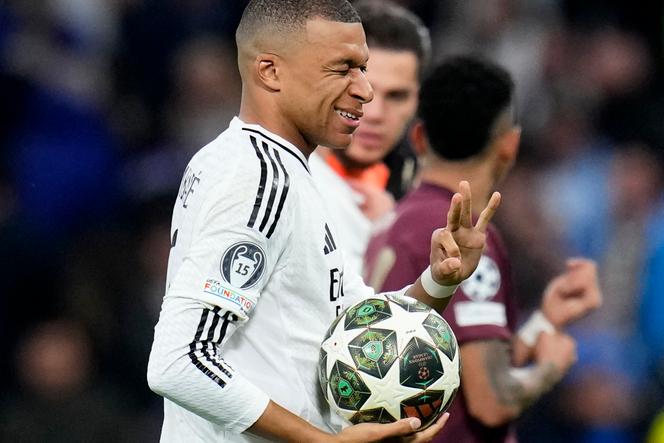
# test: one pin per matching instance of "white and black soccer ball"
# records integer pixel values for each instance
(387, 358)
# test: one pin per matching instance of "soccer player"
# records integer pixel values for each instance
(467, 132)
(356, 177)
(255, 276)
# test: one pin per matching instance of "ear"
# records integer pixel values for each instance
(418, 138)
(508, 145)
(267, 67)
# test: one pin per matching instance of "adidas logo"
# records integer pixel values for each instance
(330, 245)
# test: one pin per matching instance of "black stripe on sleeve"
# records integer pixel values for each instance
(224, 327)
(261, 184)
(207, 348)
(193, 351)
(284, 193)
(273, 190)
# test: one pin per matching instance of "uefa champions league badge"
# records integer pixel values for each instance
(484, 283)
(480, 288)
(242, 265)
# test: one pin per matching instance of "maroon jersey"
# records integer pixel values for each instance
(482, 308)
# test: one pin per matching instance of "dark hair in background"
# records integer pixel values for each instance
(390, 26)
(291, 15)
(459, 104)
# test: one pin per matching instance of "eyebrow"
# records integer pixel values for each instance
(347, 62)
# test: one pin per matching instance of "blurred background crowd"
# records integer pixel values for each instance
(102, 103)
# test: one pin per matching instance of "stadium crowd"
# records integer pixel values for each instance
(104, 102)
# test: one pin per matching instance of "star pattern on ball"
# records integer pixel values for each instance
(401, 317)
(385, 398)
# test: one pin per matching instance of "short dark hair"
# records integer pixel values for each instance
(391, 26)
(291, 15)
(460, 102)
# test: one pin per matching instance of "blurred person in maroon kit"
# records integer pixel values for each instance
(467, 132)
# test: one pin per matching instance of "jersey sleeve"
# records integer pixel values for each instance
(229, 260)
(186, 365)
(219, 273)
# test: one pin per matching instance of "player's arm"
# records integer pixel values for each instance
(278, 423)
(455, 250)
(496, 391)
(187, 366)
(568, 297)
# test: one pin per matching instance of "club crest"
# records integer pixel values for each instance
(242, 265)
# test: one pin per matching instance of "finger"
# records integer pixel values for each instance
(454, 213)
(448, 267)
(577, 308)
(576, 262)
(401, 427)
(487, 213)
(466, 205)
(448, 244)
(429, 433)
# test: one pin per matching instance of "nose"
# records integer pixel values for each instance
(360, 88)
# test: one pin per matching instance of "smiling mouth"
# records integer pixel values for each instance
(348, 115)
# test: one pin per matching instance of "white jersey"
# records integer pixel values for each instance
(255, 278)
(353, 227)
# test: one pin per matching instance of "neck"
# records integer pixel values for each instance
(349, 164)
(270, 118)
(448, 174)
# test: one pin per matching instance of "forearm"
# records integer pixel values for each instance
(518, 387)
(186, 366)
(523, 386)
(496, 392)
(277, 423)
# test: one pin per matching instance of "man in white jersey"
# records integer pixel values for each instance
(255, 276)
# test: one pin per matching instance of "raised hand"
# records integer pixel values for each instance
(572, 294)
(456, 249)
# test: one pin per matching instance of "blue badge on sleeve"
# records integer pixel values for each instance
(242, 265)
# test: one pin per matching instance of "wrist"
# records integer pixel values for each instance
(433, 288)
(549, 313)
(531, 329)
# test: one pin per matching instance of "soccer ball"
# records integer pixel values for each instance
(389, 357)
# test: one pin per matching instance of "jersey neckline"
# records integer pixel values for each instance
(274, 138)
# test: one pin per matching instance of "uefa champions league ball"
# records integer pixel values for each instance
(389, 357)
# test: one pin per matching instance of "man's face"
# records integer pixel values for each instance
(393, 77)
(323, 83)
